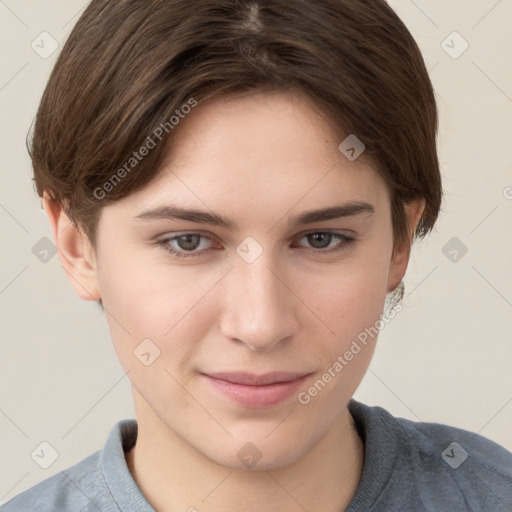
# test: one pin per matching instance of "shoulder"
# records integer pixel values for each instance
(435, 465)
(75, 488)
(101, 481)
(462, 446)
(475, 469)
(452, 448)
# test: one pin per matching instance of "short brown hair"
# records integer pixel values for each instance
(129, 66)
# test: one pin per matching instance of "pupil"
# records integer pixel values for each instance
(187, 240)
(318, 236)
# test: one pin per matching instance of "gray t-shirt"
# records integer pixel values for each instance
(408, 466)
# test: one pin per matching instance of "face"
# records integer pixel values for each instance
(263, 293)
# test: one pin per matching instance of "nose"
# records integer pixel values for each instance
(259, 308)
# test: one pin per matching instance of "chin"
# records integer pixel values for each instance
(258, 454)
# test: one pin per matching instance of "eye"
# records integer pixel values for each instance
(188, 245)
(322, 239)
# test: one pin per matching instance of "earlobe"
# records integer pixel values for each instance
(75, 253)
(400, 257)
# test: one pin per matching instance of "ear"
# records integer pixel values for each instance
(400, 257)
(76, 255)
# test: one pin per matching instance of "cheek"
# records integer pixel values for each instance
(144, 300)
(145, 292)
(349, 305)
(347, 298)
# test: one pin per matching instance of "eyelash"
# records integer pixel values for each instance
(348, 240)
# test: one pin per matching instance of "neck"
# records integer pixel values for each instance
(173, 475)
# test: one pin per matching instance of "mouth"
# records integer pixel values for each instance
(251, 379)
(259, 391)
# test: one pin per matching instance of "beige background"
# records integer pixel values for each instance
(447, 357)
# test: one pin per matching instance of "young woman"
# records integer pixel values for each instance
(238, 184)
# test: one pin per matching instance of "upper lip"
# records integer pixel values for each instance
(252, 379)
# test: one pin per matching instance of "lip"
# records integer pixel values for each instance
(251, 379)
(259, 391)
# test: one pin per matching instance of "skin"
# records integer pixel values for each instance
(259, 160)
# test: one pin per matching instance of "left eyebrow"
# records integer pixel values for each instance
(350, 209)
(203, 217)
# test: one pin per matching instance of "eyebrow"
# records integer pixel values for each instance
(349, 209)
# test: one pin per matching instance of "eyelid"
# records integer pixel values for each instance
(343, 238)
(334, 231)
(176, 234)
(211, 236)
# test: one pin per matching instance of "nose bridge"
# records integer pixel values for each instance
(259, 306)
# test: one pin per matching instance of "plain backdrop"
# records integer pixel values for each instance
(446, 357)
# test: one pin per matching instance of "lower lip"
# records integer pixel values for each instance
(256, 396)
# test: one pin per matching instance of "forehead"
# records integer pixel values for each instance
(280, 122)
(260, 149)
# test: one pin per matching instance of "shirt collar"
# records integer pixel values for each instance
(115, 470)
